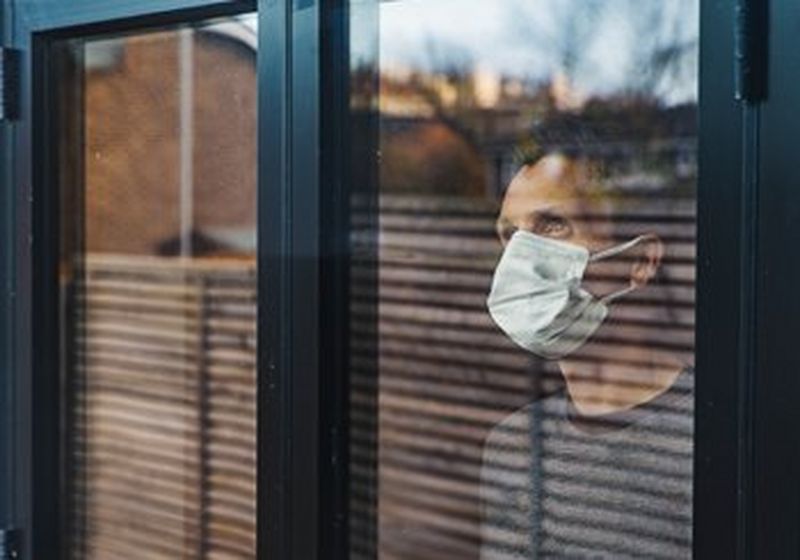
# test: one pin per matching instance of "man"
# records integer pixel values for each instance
(603, 468)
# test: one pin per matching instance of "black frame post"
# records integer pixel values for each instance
(776, 451)
(720, 279)
(289, 277)
(335, 295)
(7, 407)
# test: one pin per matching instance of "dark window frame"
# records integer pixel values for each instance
(287, 186)
(305, 147)
(721, 516)
(775, 276)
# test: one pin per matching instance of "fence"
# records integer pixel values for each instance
(163, 388)
(446, 375)
(163, 409)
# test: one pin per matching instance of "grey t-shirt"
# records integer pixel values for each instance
(555, 484)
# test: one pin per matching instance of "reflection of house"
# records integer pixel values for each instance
(634, 139)
(133, 135)
(645, 145)
(483, 129)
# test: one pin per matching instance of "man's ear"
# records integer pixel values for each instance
(648, 260)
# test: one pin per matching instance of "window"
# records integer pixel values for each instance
(523, 339)
(158, 285)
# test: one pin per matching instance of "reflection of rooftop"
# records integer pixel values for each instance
(647, 145)
(107, 53)
(212, 241)
(237, 30)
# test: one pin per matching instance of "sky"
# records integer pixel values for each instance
(528, 39)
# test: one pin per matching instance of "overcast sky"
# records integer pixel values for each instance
(528, 39)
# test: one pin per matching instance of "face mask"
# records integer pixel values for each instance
(537, 299)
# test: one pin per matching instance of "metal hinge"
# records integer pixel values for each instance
(9, 82)
(10, 544)
(751, 50)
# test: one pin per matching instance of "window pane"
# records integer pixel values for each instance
(158, 283)
(523, 337)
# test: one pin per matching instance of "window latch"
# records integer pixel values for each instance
(10, 544)
(9, 83)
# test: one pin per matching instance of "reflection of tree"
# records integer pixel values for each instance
(456, 66)
(438, 154)
(641, 143)
(364, 83)
(565, 34)
(440, 136)
(429, 157)
(664, 50)
(561, 30)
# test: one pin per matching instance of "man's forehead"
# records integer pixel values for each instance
(555, 180)
(526, 201)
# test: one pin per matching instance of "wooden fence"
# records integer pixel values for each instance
(445, 373)
(163, 387)
(163, 409)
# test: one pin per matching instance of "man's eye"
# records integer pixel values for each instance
(506, 232)
(552, 226)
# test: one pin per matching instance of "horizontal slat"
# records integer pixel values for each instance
(424, 350)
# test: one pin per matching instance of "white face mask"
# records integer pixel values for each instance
(537, 299)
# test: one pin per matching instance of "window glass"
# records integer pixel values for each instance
(158, 291)
(523, 331)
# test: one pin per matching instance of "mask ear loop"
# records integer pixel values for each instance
(617, 249)
(611, 252)
(612, 297)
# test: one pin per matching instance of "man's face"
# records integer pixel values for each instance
(562, 199)
(558, 198)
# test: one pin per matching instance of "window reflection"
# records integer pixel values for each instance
(535, 281)
(158, 280)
